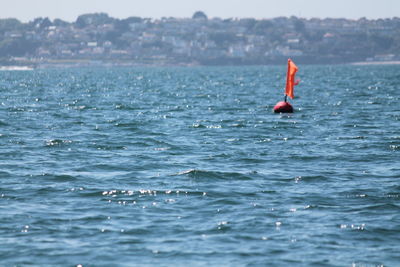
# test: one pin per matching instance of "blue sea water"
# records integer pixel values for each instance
(190, 167)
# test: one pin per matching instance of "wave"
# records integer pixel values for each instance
(204, 174)
(55, 177)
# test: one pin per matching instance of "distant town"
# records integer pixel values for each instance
(98, 39)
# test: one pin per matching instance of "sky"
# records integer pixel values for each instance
(69, 10)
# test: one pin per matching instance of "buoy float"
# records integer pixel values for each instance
(284, 106)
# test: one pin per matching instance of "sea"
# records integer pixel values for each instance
(189, 166)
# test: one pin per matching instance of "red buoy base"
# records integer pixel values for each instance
(283, 107)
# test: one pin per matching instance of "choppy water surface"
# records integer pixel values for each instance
(189, 166)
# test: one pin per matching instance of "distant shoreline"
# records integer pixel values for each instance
(96, 39)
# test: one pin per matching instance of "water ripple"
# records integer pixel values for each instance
(190, 166)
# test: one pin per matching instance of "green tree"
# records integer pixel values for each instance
(93, 19)
(17, 47)
(199, 15)
(10, 25)
(60, 23)
(262, 26)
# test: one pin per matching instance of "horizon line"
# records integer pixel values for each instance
(189, 17)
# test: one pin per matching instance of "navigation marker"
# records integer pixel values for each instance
(284, 106)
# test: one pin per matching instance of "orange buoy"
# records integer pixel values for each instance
(284, 106)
